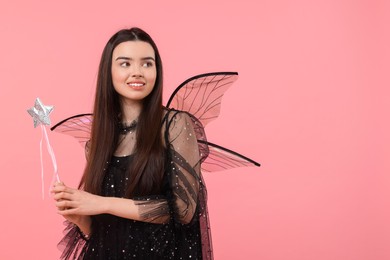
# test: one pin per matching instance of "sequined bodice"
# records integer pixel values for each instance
(118, 238)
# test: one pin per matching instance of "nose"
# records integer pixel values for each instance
(136, 71)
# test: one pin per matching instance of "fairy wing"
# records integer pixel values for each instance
(201, 95)
(221, 158)
(78, 126)
(215, 157)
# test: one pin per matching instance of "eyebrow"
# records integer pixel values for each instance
(127, 58)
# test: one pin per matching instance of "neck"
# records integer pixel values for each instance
(130, 110)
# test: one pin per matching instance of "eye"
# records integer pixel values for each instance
(147, 64)
(124, 64)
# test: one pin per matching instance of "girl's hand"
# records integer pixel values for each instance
(77, 202)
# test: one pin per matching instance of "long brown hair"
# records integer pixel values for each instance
(146, 169)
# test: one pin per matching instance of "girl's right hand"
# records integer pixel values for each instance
(82, 221)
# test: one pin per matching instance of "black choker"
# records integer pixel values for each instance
(125, 129)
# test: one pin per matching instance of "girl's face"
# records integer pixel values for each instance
(133, 70)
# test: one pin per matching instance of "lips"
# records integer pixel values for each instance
(136, 85)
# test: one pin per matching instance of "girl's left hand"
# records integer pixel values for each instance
(77, 202)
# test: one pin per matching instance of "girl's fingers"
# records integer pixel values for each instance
(56, 189)
(62, 196)
(58, 184)
(65, 204)
(62, 188)
(67, 212)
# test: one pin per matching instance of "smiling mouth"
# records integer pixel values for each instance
(136, 84)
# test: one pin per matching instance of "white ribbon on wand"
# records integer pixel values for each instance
(56, 177)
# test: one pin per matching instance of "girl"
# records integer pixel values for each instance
(141, 195)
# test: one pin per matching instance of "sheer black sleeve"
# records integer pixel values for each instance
(183, 171)
(73, 243)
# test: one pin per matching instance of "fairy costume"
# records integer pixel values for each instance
(175, 221)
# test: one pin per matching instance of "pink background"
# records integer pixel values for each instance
(311, 104)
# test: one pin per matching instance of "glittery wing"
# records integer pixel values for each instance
(78, 126)
(221, 158)
(201, 95)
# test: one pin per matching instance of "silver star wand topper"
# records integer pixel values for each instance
(40, 114)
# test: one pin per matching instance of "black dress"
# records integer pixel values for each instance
(175, 222)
